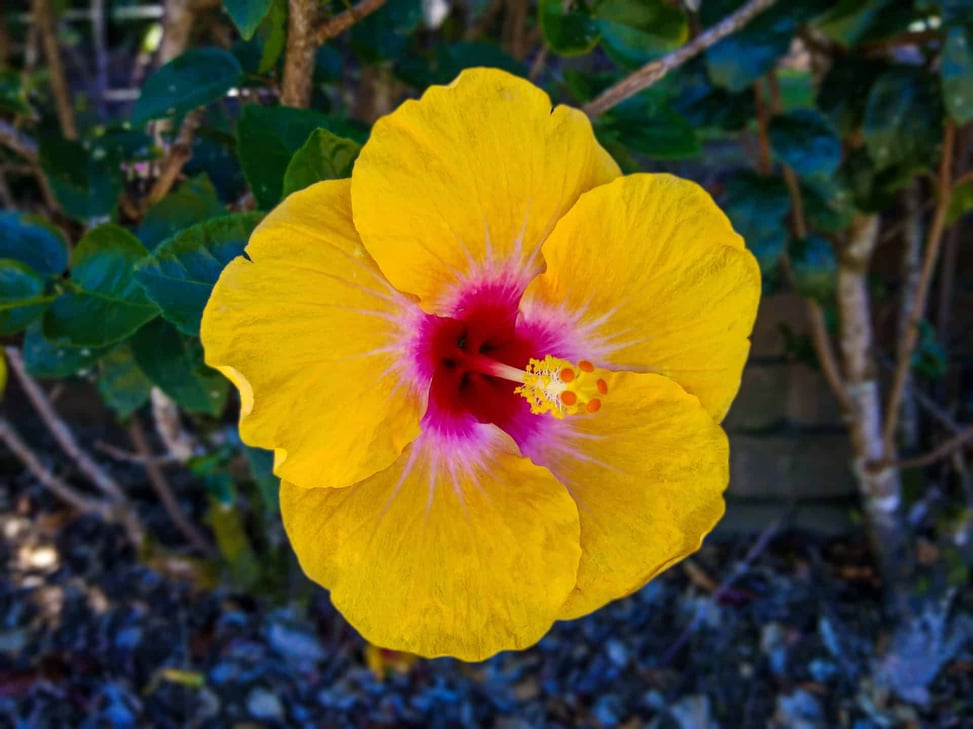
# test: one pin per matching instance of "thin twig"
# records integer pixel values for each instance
(653, 72)
(763, 135)
(17, 141)
(826, 354)
(124, 456)
(163, 489)
(62, 434)
(6, 197)
(22, 144)
(817, 323)
(168, 426)
(916, 37)
(180, 152)
(44, 22)
(930, 405)
(482, 24)
(514, 26)
(341, 22)
(933, 242)
(911, 255)
(99, 40)
(739, 569)
(941, 451)
(537, 67)
(58, 487)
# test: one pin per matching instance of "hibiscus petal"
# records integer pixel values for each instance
(471, 178)
(460, 548)
(647, 471)
(313, 337)
(650, 276)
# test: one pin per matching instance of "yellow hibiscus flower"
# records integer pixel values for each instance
(491, 369)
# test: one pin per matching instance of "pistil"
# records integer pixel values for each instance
(551, 386)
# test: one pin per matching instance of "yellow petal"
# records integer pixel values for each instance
(654, 279)
(313, 337)
(453, 550)
(647, 471)
(470, 179)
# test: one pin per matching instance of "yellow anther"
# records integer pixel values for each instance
(560, 388)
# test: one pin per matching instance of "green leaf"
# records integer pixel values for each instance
(567, 30)
(175, 363)
(903, 119)
(815, 267)
(191, 80)
(324, 156)
(872, 189)
(247, 14)
(742, 57)
(806, 141)
(768, 245)
(122, 144)
(657, 132)
(707, 106)
(827, 204)
(44, 358)
(956, 71)
(121, 383)
(756, 205)
(268, 138)
(34, 242)
(13, 100)
(796, 88)
(182, 271)
(388, 34)
(960, 202)
(635, 32)
(655, 17)
(22, 296)
(261, 464)
(851, 21)
(194, 201)
(104, 304)
(226, 521)
(87, 183)
(273, 32)
(844, 90)
(930, 359)
(445, 61)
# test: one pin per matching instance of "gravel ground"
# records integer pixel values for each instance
(92, 638)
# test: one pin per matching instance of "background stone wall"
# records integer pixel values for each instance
(788, 445)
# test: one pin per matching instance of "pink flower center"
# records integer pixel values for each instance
(459, 351)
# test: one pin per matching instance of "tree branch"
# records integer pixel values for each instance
(62, 434)
(880, 489)
(44, 21)
(23, 145)
(653, 72)
(939, 452)
(180, 152)
(163, 489)
(815, 316)
(55, 485)
(933, 242)
(343, 21)
(18, 142)
(299, 53)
